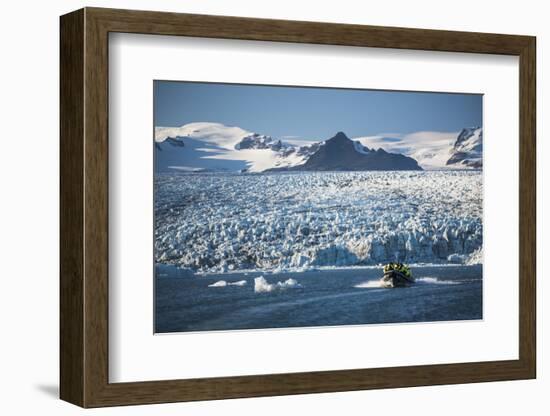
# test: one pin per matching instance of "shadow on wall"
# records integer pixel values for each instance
(49, 390)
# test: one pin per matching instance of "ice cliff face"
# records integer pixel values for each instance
(467, 151)
(302, 220)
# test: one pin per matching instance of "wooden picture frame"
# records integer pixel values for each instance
(84, 207)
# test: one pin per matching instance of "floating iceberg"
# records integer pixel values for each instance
(261, 285)
(223, 283)
(220, 283)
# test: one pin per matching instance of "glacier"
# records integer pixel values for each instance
(273, 222)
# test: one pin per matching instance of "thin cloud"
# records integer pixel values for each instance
(431, 149)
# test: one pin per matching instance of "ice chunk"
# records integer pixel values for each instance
(219, 283)
(288, 283)
(475, 258)
(456, 258)
(223, 283)
(261, 285)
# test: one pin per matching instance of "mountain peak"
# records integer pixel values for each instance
(343, 154)
(466, 133)
(213, 133)
(467, 151)
(339, 136)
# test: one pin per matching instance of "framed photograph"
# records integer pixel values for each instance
(256, 207)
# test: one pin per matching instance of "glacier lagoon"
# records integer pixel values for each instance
(217, 233)
(320, 298)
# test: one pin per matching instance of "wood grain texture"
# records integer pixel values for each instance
(527, 208)
(84, 207)
(96, 208)
(226, 27)
(71, 208)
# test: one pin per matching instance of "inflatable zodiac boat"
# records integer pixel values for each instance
(396, 275)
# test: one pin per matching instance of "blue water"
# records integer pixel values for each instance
(326, 298)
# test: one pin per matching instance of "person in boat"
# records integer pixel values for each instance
(397, 275)
(399, 267)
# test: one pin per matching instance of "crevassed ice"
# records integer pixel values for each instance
(285, 221)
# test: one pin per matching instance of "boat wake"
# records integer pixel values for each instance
(370, 284)
(374, 284)
(436, 281)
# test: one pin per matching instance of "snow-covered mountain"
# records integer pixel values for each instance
(259, 141)
(340, 153)
(214, 146)
(467, 151)
(433, 149)
(206, 146)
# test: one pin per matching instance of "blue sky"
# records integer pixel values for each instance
(313, 113)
